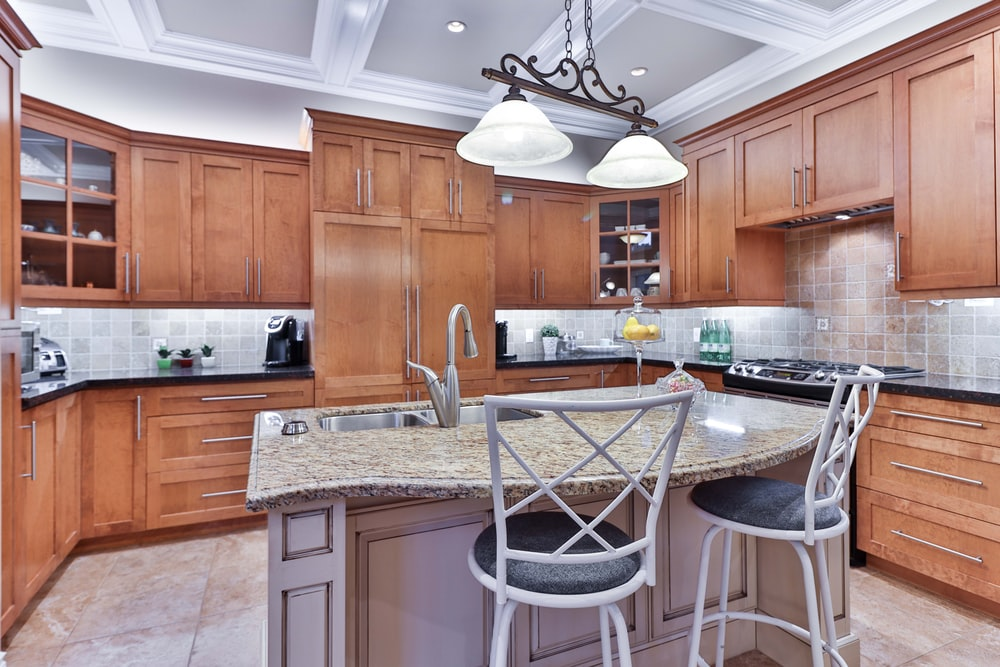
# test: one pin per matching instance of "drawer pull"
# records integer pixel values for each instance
(936, 473)
(206, 441)
(558, 378)
(239, 397)
(223, 493)
(975, 559)
(933, 418)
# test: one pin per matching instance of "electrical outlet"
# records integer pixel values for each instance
(696, 334)
(579, 335)
(159, 342)
(822, 324)
(890, 270)
(529, 335)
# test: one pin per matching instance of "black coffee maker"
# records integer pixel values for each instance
(286, 342)
(502, 343)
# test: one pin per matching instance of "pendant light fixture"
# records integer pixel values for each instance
(502, 138)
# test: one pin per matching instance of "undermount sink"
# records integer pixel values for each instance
(469, 414)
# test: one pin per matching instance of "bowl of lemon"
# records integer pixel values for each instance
(638, 324)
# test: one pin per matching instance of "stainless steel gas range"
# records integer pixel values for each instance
(799, 380)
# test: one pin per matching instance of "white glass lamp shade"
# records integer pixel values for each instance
(514, 133)
(653, 279)
(637, 161)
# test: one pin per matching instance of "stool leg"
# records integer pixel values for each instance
(812, 606)
(502, 617)
(621, 629)
(720, 639)
(697, 620)
(826, 599)
(605, 636)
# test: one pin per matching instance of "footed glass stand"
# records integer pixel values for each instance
(638, 326)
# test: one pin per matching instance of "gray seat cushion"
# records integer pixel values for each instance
(544, 532)
(761, 502)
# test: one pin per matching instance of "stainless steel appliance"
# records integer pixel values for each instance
(31, 353)
(286, 342)
(807, 381)
(53, 359)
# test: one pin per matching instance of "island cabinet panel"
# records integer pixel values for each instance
(542, 247)
(360, 175)
(928, 474)
(415, 602)
(831, 155)
(161, 225)
(945, 170)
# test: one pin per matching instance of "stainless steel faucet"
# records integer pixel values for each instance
(444, 393)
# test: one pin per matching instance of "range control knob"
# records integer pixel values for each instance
(819, 375)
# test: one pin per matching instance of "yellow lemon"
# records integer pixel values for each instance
(652, 331)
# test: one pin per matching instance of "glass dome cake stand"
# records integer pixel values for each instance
(638, 326)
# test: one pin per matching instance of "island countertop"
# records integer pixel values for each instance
(724, 435)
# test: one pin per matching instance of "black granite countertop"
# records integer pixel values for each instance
(52, 387)
(650, 356)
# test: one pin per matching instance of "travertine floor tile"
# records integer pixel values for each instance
(234, 639)
(160, 646)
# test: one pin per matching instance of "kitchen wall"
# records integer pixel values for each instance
(122, 338)
(841, 272)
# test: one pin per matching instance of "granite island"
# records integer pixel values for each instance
(368, 534)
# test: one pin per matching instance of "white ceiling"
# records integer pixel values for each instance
(243, 70)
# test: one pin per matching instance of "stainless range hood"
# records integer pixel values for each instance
(836, 216)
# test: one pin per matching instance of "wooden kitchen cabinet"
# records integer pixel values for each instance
(832, 155)
(629, 235)
(250, 230)
(559, 378)
(928, 474)
(443, 186)
(543, 247)
(945, 162)
(724, 264)
(674, 276)
(353, 174)
(384, 289)
(46, 479)
(161, 226)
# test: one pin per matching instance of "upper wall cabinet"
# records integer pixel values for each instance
(360, 175)
(945, 219)
(629, 237)
(445, 187)
(74, 211)
(834, 154)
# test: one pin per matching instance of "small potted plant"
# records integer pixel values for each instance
(187, 357)
(163, 363)
(207, 360)
(550, 339)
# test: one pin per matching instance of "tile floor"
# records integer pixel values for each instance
(201, 603)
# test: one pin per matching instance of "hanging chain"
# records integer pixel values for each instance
(569, 28)
(588, 25)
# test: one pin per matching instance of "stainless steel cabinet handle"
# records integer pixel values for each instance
(593, 285)
(34, 450)
(936, 473)
(137, 276)
(460, 198)
(235, 397)
(416, 295)
(534, 284)
(127, 273)
(258, 276)
(246, 275)
(223, 493)
(450, 197)
(935, 418)
(602, 378)
(357, 183)
(208, 441)
(975, 559)
(406, 299)
(795, 172)
(138, 418)
(557, 378)
(805, 185)
(543, 284)
(369, 188)
(899, 271)
(670, 283)
(728, 286)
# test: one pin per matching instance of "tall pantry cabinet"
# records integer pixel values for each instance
(402, 231)
(14, 38)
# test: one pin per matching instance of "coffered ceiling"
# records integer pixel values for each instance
(394, 58)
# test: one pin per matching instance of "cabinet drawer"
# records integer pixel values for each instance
(958, 476)
(179, 442)
(947, 547)
(199, 398)
(549, 379)
(195, 496)
(954, 420)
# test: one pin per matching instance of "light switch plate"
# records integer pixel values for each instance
(696, 334)
(529, 335)
(159, 342)
(579, 335)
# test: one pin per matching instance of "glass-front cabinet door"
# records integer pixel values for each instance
(70, 241)
(629, 239)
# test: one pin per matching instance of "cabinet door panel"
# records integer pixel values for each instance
(674, 284)
(281, 245)
(561, 233)
(769, 171)
(513, 248)
(337, 162)
(434, 190)
(161, 225)
(710, 195)
(222, 227)
(386, 189)
(945, 170)
(475, 195)
(35, 491)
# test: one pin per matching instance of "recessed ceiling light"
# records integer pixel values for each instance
(456, 26)
(638, 71)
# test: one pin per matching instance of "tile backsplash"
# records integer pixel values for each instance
(840, 272)
(122, 338)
